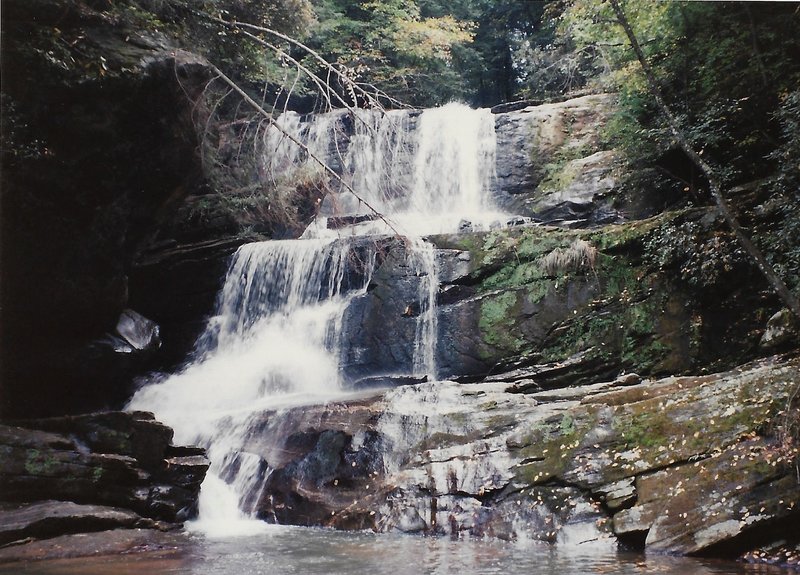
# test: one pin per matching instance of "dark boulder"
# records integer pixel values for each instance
(387, 381)
(322, 458)
(116, 459)
(380, 326)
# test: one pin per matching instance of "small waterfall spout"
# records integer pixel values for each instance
(275, 339)
(422, 258)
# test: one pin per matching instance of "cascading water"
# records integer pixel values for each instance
(274, 339)
(455, 162)
(272, 344)
(422, 259)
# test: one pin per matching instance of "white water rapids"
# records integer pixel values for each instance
(274, 340)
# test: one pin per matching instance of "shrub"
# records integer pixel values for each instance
(579, 256)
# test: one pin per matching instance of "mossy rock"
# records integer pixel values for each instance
(626, 307)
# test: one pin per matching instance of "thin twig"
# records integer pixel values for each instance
(373, 100)
(297, 142)
(314, 78)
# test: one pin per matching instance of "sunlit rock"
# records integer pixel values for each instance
(781, 330)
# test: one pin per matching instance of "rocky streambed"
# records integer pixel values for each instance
(697, 465)
(683, 465)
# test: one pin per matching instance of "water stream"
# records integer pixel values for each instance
(282, 550)
(274, 340)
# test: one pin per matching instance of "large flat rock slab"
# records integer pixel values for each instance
(45, 519)
(157, 544)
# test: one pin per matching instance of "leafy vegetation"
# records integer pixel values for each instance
(390, 44)
(428, 52)
(725, 68)
(230, 49)
(699, 257)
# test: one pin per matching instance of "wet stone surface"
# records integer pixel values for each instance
(679, 465)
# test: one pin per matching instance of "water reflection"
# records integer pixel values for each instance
(287, 551)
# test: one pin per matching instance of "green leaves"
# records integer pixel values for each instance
(391, 45)
(720, 66)
(428, 52)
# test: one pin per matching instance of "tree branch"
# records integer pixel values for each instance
(789, 299)
(258, 108)
(373, 100)
(319, 82)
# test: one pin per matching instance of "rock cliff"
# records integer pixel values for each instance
(588, 304)
(100, 143)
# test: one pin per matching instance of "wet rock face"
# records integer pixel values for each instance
(119, 460)
(178, 284)
(380, 327)
(322, 458)
(580, 305)
(551, 163)
(102, 543)
(479, 324)
(540, 295)
(689, 465)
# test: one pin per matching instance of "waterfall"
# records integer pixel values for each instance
(274, 339)
(454, 165)
(422, 259)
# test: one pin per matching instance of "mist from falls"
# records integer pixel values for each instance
(274, 340)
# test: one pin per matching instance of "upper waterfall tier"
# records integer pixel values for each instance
(425, 172)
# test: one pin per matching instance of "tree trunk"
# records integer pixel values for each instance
(789, 299)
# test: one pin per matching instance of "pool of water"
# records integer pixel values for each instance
(289, 550)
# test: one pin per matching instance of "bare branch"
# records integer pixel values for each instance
(373, 100)
(322, 86)
(258, 108)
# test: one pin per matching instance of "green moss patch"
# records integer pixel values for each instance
(549, 449)
(496, 316)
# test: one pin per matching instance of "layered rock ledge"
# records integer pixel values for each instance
(697, 465)
(92, 473)
(668, 295)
